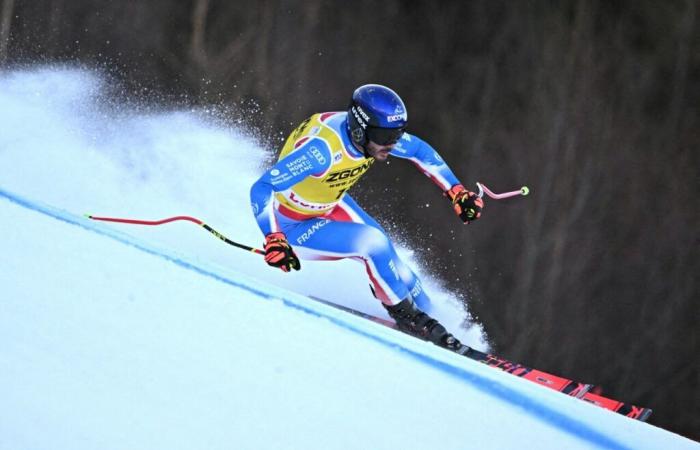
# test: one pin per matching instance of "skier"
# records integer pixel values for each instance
(302, 206)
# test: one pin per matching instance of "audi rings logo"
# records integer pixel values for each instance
(318, 155)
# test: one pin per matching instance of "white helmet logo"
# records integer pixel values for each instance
(396, 117)
(399, 114)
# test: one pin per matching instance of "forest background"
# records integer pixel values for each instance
(595, 105)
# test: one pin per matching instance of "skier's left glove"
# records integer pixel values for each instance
(466, 204)
(278, 252)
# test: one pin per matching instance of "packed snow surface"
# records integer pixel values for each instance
(120, 336)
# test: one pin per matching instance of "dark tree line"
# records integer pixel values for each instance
(593, 104)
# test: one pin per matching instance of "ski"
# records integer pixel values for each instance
(566, 386)
(626, 409)
(386, 322)
(557, 383)
(560, 384)
(572, 388)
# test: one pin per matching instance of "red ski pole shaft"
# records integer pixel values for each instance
(173, 219)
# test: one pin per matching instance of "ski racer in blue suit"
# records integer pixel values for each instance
(302, 206)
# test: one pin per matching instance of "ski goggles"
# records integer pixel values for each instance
(384, 136)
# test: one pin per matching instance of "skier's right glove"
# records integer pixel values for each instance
(278, 252)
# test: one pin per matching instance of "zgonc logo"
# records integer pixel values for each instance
(348, 173)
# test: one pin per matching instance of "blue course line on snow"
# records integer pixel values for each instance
(509, 395)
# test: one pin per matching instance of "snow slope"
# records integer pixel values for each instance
(117, 337)
(69, 141)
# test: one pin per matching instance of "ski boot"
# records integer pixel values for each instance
(415, 322)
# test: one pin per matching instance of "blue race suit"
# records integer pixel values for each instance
(304, 196)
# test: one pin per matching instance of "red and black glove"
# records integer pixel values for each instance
(466, 204)
(278, 252)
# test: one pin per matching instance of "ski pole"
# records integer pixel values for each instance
(483, 189)
(173, 219)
